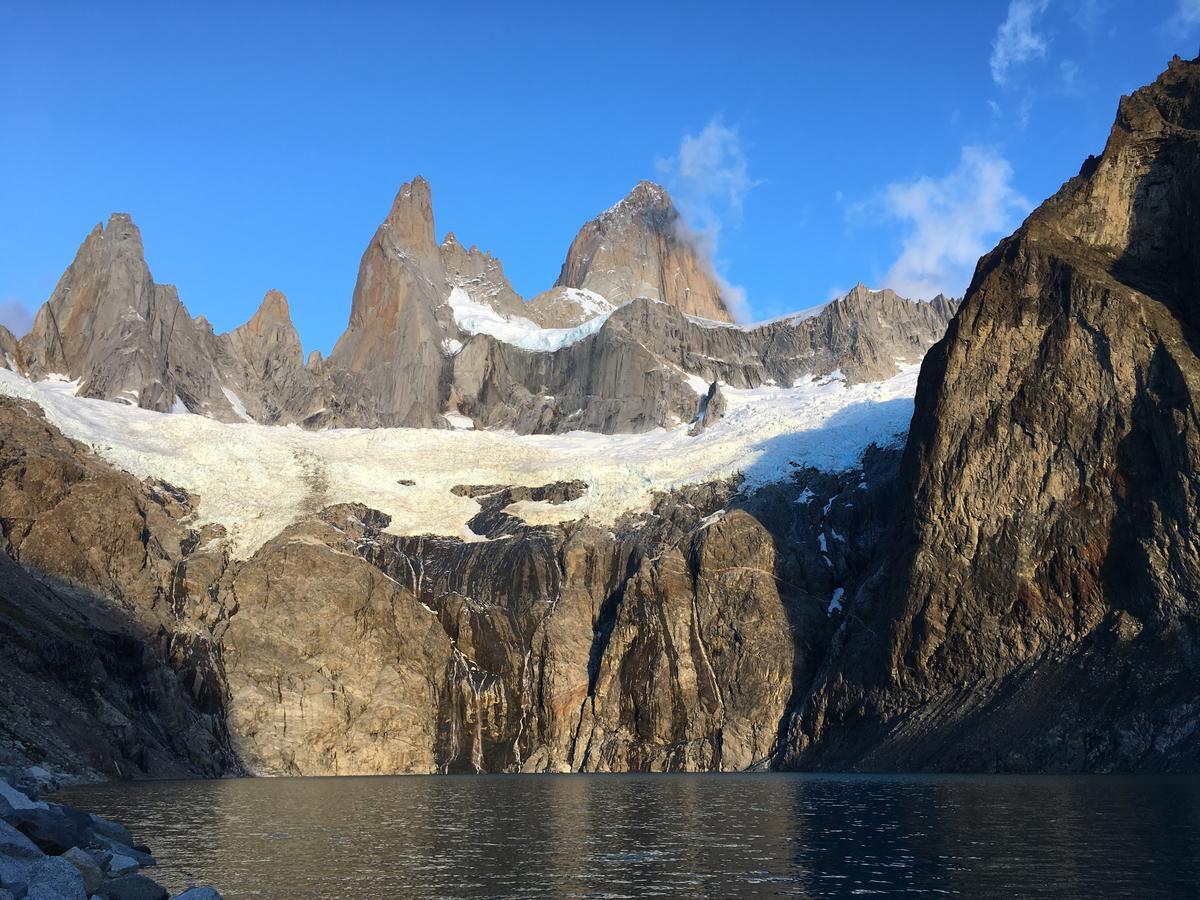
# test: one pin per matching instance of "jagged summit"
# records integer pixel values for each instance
(437, 328)
(409, 222)
(273, 309)
(640, 248)
(646, 197)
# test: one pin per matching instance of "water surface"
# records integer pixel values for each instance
(668, 835)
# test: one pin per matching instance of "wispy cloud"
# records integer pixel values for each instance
(1017, 40)
(709, 177)
(949, 221)
(16, 316)
(1185, 18)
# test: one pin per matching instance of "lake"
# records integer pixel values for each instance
(618, 836)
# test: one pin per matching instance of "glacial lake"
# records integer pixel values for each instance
(615, 836)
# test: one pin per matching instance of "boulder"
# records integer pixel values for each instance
(12, 799)
(120, 864)
(55, 878)
(92, 874)
(199, 893)
(14, 843)
(51, 830)
(133, 887)
(111, 829)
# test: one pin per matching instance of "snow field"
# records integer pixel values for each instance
(256, 479)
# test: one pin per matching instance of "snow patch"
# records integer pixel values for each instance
(835, 604)
(478, 318)
(239, 408)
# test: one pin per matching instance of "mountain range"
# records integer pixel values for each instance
(609, 529)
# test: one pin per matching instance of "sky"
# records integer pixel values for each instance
(810, 146)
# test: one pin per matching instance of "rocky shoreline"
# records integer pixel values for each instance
(53, 852)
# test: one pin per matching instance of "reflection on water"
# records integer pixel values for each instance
(668, 835)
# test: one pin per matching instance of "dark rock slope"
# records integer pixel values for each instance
(1039, 603)
(107, 668)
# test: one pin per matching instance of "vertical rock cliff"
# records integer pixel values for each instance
(1038, 605)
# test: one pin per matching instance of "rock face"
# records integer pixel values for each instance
(1040, 603)
(262, 366)
(482, 276)
(388, 367)
(339, 648)
(99, 674)
(11, 356)
(640, 248)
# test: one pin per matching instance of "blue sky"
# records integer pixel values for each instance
(812, 145)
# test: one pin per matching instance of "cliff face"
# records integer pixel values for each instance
(106, 667)
(1040, 603)
(387, 368)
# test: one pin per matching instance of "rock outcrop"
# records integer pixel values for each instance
(11, 356)
(1038, 605)
(482, 276)
(106, 669)
(640, 247)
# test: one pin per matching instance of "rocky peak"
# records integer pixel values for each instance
(409, 223)
(269, 331)
(106, 290)
(388, 364)
(640, 247)
(648, 201)
(108, 326)
(480, 274)
(273, 313)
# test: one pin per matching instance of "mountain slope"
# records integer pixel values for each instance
(1040, 604)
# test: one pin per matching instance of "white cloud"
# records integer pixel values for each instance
(709, 178)
(1017, 41)
(16, 316)
(1185, 18)
(951, 222)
